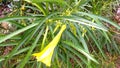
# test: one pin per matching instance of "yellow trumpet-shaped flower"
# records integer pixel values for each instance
(45, 55)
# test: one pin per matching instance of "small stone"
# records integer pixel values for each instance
(5, 25)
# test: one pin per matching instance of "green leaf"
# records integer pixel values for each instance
(81, 50)
(17, 32)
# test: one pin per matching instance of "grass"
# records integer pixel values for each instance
(86, 42)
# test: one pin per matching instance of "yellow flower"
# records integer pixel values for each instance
(45, 55)
(58, 24)
(73, 28)
(22, 7)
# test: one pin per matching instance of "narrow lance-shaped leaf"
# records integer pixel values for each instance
(45, 55)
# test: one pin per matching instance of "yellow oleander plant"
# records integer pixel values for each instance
(58, 34)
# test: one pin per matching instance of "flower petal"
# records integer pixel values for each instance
(45, 55)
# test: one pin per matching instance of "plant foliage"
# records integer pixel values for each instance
(66, 33)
